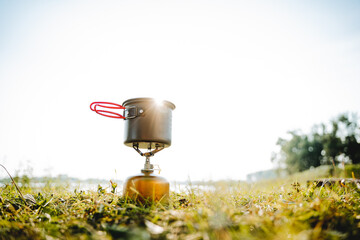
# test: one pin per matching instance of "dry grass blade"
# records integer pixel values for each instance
(13, 181)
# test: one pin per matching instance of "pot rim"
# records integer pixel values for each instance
(148, 100)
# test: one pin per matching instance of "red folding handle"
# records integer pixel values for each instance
(95, 105)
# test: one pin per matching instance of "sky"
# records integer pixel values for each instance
(241, 74)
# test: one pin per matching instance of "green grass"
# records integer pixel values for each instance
(279, 209)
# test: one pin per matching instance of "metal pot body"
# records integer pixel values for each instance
(147, 123)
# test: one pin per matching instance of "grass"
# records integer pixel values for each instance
(277, 209)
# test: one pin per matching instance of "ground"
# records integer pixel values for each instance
(277, 209)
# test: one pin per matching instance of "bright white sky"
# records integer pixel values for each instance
(241, 74)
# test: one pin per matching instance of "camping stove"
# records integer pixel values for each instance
(147, 126)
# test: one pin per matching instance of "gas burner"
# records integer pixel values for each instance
(147, 126)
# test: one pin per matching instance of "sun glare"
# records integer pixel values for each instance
(159, 102)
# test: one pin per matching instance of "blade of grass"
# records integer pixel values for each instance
(16, 186)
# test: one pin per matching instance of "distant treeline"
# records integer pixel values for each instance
(333, 143)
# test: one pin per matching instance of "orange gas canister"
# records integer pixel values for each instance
(147, 187)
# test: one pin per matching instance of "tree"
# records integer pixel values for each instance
(351, 136)
(352, 149)
(300, 152)
(325, 144)
(332, 144)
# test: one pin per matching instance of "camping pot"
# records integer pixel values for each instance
(147, 121)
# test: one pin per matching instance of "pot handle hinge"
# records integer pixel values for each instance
(132, 112)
